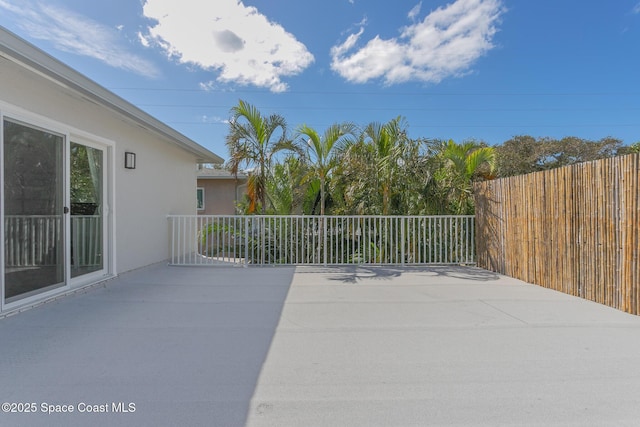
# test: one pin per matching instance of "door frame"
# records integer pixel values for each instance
(107, 209)
(69, 134)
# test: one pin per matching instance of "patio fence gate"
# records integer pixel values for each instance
(321, 240)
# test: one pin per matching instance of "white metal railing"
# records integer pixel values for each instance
(326, 240)
(35, 240)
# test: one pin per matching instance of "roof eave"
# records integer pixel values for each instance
(18, 50)
(229, 178)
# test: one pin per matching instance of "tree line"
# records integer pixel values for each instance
(377, 169)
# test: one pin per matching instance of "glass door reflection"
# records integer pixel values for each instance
(86, 183)
(33, 210)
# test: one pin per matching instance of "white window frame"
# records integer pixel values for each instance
(200, 208)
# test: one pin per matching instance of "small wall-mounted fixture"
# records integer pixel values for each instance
(129, 160)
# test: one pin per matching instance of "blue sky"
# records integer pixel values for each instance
(456, 69)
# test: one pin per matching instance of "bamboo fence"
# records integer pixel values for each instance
(574, 229)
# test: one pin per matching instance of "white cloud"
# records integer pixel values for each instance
(214, 119)
(413, 13)
(238, 42)
(208, 86)
(77, 34)
(213, 85)
(636, 8)
(446, 43)
(142, 39)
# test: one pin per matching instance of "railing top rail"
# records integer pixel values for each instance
(321, 216)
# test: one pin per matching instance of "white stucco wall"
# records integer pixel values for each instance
(163, 182)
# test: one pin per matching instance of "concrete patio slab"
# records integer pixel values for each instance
(313, 346)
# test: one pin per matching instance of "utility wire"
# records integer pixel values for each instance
(379, 93)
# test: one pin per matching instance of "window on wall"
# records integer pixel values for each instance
(200, 198)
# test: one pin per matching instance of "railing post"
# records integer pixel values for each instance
(324, 232)
(473, 240)
(402, 236)
(173, 240)
(246, 241)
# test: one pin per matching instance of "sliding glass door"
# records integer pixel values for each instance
(86, 188)
(34, 226)
(53, 205)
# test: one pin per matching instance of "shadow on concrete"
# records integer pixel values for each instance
(185, 346)
(355, 274)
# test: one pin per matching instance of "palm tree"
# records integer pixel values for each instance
(285, 188)
(388, 141)
(355, 181)
(465, 163)
(321, 151)
(252, 141)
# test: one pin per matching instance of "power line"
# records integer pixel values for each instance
(379, 93)
(568, 126)
(503, 109)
